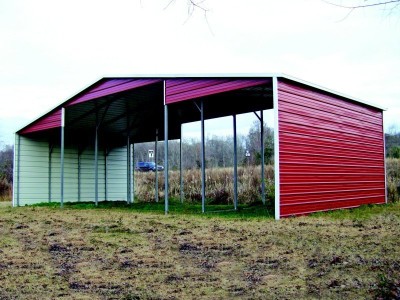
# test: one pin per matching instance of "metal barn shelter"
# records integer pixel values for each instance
(329, 148)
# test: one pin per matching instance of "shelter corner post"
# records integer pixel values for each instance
(276, 147)
(235, 176)
(62, 155)
(166, 152)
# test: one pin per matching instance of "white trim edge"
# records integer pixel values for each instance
(276, 148)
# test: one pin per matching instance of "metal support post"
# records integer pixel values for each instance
(156, 163)
(235, 173)
(132, 170)
(105, 173)
(276, 148)
(96, 167)
(79, 174)
(180, 168)
(51, 146)
(203, 161)
(128, 171)
(166, 153)
(62, 156)
(262, 158)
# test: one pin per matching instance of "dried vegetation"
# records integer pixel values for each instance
(48, 253)
(219, 184)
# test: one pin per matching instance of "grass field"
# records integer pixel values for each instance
(121, 252)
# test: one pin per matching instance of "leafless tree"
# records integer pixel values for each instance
(388, 6)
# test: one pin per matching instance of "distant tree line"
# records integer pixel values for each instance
(392, 144)
(6, 170)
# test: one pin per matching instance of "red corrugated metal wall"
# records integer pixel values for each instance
(183, 89)
(331, 151)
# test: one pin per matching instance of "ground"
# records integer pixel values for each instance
(115, 253)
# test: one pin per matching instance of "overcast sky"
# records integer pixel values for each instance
(50, 50)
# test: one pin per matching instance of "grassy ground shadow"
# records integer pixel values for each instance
(255, 210)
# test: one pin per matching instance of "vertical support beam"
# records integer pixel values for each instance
(49, 182)
(79, 174)
(18, 169)
(62, 156)
(132, 170)
(105, 173)
(180, 168)
(128, 171)
(276, 147)
(203, 160)
(96, 167)
(384, 158)
(262, 158)
(156, 162)
(235, 173)
(166, 153)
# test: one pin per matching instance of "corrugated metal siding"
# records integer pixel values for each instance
(88, 175)
(70, 174)
(33, 171)
(116, 173)
(109, 87)
(331, 151)
(177, 90)
(34, 174)
(52, 120)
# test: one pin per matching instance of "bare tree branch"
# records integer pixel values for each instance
(352, 7)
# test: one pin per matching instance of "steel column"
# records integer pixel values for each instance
(105, 173)
(180, 168)
(235, 174)
(49, 183)
(62, 156)
(203, 160)
(262, 158)
(132, 170)
(79, 174)
(96, 167)
(276, 147)
(156, 163)
(128, 171)
(166, 153)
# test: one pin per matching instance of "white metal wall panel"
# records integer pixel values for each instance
(70, 175)
(88, 175)
(116, 174)
(33, 171)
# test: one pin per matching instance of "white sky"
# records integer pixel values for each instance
(50, 50)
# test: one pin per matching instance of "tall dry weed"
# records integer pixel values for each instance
(5, 190)
(393, 179)
(219, 184)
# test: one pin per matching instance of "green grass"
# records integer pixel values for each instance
(254, 210)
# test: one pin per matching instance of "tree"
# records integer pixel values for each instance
(254, 140)
(389, 6)
(6, 163)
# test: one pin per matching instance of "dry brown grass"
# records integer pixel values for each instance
(112, 254)
(219, 184)
(393, 179)
(5, 190)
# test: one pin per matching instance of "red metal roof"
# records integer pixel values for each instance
(184, 89)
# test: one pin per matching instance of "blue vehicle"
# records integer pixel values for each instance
(147, 166)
